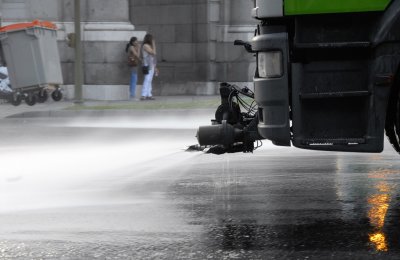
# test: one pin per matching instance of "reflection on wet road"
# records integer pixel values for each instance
(94, 190)
(379, 205)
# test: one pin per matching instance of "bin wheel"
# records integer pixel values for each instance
(57, 95)
(30, 100)
(42, 96)
(16, 100)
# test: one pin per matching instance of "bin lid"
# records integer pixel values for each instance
(22, 26)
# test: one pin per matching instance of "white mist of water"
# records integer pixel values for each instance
(74, 172)
(160, 120)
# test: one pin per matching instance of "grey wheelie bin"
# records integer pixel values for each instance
(33, 61)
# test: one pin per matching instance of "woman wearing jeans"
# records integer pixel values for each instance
(133, 50)
(150, 60)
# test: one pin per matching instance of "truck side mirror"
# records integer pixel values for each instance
(246, 45)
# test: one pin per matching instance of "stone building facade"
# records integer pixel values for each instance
(194, 41)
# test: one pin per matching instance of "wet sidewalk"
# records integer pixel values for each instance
(65, 107)
(7, 109)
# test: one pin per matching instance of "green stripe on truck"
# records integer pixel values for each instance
(297, 7)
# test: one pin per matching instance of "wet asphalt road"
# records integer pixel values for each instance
(126, 189)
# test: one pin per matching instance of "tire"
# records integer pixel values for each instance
(42, 96)
(392, 122)
(30, 100)
(57, 95)
(16, 100)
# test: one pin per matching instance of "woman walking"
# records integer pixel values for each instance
(149, 66)
(133, 50)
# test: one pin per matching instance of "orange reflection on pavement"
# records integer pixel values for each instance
(379, 241)
(379, 204)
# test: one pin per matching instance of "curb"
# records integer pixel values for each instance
(113, 113)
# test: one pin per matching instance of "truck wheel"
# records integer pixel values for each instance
(16, 100)
(42, 96)
(30, 100)
(56, 95)
(392, 123)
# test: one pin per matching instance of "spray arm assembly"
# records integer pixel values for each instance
(232, 130)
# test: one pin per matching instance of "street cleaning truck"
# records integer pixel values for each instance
(327, 78)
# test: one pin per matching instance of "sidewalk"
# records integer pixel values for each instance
(65, 108)
(7, 109)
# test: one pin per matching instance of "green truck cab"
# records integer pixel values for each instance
(327, 78)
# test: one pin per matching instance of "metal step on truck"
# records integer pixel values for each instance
(33, 64)
(327, 78)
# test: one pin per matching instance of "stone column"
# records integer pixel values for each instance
(234, 63)
(1, 15)
(240, 12)
(15, 11)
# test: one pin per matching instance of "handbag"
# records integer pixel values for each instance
(132, 61)
(145, 70)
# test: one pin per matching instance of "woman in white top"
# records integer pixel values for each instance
(149, 59)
